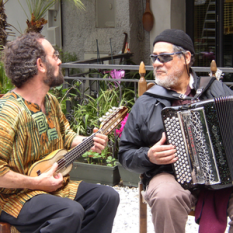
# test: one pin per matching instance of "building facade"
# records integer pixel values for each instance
(105, 25)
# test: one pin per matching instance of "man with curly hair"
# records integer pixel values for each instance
(32, 126)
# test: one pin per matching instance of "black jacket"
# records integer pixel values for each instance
(144, 127)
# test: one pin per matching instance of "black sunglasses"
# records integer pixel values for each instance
(164, 57)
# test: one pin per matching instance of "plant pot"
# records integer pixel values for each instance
(128, 178)
(93, 173)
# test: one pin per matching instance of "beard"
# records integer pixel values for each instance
(168, 81)
(53, 80)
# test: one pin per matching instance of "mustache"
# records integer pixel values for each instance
(156, 69)
(159, 69)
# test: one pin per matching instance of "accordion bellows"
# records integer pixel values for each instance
(203, 135)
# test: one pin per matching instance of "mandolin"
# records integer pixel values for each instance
(66, 158)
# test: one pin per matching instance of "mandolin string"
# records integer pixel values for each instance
(84, 146)
(77, 150)
(89, 141)
(79, 147)
(87, 144)
(64, 162)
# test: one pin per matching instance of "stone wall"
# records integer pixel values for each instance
(80, 33)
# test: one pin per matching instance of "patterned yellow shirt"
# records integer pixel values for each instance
(26, 136)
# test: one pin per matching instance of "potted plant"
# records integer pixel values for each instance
(98, 168)
(37, 9)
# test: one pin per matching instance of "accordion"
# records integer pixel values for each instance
(203, 135)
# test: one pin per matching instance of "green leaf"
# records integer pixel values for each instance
(60, 87)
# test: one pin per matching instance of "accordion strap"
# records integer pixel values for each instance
(205, 83)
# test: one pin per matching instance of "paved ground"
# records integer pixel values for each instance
(127, 218)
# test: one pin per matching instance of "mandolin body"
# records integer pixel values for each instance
(46, 163)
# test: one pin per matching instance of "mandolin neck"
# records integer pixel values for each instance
(78, 151)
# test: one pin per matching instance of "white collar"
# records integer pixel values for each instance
(191, 81)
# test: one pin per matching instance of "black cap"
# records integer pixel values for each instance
(176, 37)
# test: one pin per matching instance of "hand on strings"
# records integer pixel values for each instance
(100, 141)
(49, 181)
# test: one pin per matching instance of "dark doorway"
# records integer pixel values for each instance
(210, 25)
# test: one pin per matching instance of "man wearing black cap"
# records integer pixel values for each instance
(143, 147)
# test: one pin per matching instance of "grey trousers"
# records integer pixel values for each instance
(170, 204)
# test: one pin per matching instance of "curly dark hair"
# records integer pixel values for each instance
(20, 57)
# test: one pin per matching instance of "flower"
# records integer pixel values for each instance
(116, 74)
(119, 131)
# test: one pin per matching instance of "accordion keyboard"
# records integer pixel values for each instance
(174, 137)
